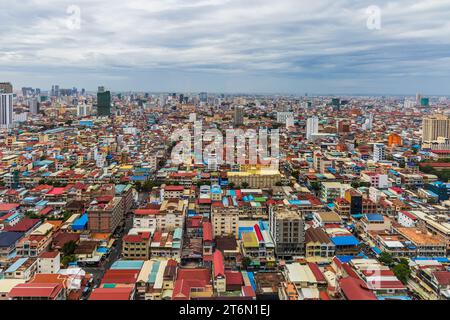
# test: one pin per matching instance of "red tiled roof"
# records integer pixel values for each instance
(207, 231)
(120, 276)
(248, 291)
(442, 277)
(23, 225)
(234, 277)
(56, 191)
(173, 188)
(356, 289)
(219, 267)
(146, 212)
(409, 215)
(317, 273)
(49, 254)
(435, 164)
(8, 206)
(47, 290)
(119, 293)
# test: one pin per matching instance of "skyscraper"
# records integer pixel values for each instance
(34, 106)
(103, 103)
(203, 97)
(6, 110)
(238, 116)
(434, 127)
(312, 127)
(6, 87)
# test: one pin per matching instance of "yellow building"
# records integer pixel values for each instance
(257, 178)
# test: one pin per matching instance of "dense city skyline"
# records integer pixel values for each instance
(325, 47)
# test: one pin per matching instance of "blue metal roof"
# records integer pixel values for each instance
(374, 217)
(80, 223)
(376, 250)
(127, 265)
(345, 259)
(16, 265)
(251, 278)
(345, 241)
(9, 238)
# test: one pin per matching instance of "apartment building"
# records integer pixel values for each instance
(225, 221)
(105, 214)
(287, 227)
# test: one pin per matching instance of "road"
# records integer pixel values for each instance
(114, 253)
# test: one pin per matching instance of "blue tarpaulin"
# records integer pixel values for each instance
(80, 223)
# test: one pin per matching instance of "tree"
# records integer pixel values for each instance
(402, 272)
(355, 184)
(315, 185)
(246, 261)
(231, 185)
(68, 259)
(69, 248)
(386, 258)
(138, 186)
(245, 185)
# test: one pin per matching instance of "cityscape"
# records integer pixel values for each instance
(285, 188)
(94, 205)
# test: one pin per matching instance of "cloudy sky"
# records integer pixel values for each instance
(264, 46)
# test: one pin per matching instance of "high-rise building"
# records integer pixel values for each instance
(103, 103)
(6, 87)
(434, 127)
(425, 102)
(238, 116)
(203, 96)
(312, 127)
(378, 152)
(6, 110)
(34, 106)
(288, 231)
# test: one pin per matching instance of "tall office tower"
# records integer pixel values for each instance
(6, 87)
(34, 106)
(6, 110)
(378, 152)
(418, 97)
(238, 116)
(101, 89)
(434, 127)
(55, 91)
(312, 127)
(203, 96)
(425, 102)
(103, 103)
(336, 103)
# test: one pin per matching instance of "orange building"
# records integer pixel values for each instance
(394, 139)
